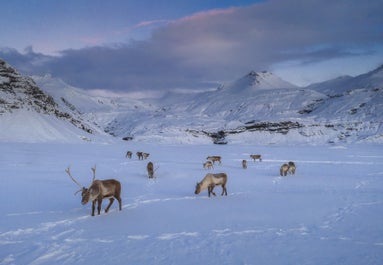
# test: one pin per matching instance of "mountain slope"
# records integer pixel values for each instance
(259, 108)
(28, 114)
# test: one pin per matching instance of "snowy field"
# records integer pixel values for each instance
(330, 212)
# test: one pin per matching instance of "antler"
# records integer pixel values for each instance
(70, 175)
(94, 172)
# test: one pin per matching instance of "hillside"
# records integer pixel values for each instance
(258, 108)
(262, 108)
(28, 114)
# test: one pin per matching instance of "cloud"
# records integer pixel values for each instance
(207, 48)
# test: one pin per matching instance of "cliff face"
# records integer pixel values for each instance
(18, 92)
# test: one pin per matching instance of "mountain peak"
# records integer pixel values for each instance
(258, 74)
(261, 80)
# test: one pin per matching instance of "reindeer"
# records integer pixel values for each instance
(99, 190)
(208, 165)
(283, 170)
(214, 158)
(210, 181)
(145, 155)
(255, 157)
(150, 169)
(292, 168)
(129, 154)
(244, 164)
(140, 156)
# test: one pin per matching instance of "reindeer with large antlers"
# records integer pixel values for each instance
(99, 190)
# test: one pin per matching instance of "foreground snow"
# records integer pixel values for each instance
(330, 212)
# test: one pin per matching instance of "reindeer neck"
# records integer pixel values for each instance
(204, 185)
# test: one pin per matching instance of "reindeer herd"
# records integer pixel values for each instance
(111, 188)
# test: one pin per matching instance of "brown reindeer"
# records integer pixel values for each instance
(283, 170)
(255, 157)
(129, 154)
(214, 159)
(150, 169)
(99, 190)
(140, 155)
(292, 168)
(244, 164)
(145, 155)
(208, 165)
(210, 181)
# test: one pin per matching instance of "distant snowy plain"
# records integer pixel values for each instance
(329, 212)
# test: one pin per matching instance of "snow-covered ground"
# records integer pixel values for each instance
(329, 212)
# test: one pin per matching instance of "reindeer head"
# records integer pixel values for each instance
(197, 188)
(85, 192)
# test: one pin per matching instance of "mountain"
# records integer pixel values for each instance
(28, 114)
(262, 108)
(100, 109)
(258, 80)
(257, 108)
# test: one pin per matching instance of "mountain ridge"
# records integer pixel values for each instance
(29, 114)
(258, 108)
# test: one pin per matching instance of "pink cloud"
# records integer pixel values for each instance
(149, 23)
(91, 40)
(209, 13)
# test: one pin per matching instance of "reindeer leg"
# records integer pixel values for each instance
(93, 207)
(99, 200)
(110, 204)
(224, 191)
(211, 190)
(119, 202)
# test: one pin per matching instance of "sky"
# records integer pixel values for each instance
(163, 45)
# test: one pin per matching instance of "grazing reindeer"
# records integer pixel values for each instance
(255, 157)
(99, 190)
(150, 170)
(244, 164)
(208, 165)
(129, 154)
(140, 156)
(214, 159)
(292, 168)
(210, 181)
(145, 155)
(283, 170)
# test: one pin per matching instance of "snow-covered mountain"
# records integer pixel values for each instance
(262, 108)
(258, 108)
(28, 114)
(100, 109)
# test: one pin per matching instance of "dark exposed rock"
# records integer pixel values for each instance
(18, 92)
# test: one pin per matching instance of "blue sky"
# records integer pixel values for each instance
(135, 45)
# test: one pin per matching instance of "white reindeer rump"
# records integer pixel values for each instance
(292, 167)
(287, 168)
(150, 169)
(283, 170)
